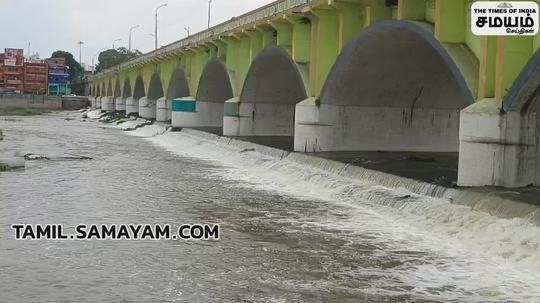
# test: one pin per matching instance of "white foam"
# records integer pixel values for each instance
(485, 255)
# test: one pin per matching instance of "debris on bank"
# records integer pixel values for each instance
(35, 157)
(117, 120)
(8, 164)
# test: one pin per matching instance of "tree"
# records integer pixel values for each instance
(113, 57)
(76, 71)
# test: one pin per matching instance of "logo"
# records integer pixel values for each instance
(501, 18)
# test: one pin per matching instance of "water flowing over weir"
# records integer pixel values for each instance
(295, 228)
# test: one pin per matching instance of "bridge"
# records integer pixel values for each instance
(348, 75)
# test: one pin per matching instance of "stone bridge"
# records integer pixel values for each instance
(401, 75)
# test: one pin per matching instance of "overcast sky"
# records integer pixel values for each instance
(51, 25)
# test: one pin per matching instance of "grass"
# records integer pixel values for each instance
(11, 111)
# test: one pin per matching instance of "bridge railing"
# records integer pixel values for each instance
(260, 14)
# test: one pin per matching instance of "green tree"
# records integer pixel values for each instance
(113, 57)
(76, 71)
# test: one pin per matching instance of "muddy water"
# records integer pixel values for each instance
(288, 234)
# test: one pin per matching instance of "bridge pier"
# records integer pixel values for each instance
(147, 108)
(92, 101)
(163, 109)
(107, 104)
(188, 112)
(120, 104)
(132, 106)
(500, 143)
(244, 119)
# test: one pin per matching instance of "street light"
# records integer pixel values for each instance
(187, 30)
(156, 27)
(209, 9)
(130, 33)
(114, 42)
(80, 51)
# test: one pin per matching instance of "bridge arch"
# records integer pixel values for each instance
(126, 90)
(117, 91)
(215, 83)
(525, 93)
(267, 103)
(178, 85)
(393, 88)
(139, 90)
(155, 88)
(109, 88)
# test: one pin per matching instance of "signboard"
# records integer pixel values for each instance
(14, 52)
(10, 62)
(501, 18)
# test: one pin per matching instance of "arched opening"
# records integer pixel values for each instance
(117, 91)
(109, 89)
(155, 89)
(177, 88)
(147, 105)
(178, 85)
(266, 107)
(132, 103)
(393, 88)
(215, 84)
(126, 92)
(138, 89)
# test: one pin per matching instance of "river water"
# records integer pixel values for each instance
(288, 233)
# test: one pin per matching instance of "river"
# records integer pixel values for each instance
(288, 233)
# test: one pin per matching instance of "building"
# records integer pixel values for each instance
(36, 74)
(59, 83)
(13, 70)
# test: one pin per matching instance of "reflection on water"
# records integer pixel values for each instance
(282, 240)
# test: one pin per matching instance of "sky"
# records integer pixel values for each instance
(50, 25)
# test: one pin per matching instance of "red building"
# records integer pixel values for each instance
(13, 70)
(36, 77)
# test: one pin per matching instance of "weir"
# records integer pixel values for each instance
(370, 75)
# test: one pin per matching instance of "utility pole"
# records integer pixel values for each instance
(209, 11)
(80, 51)
(156, 25)
(130, 33)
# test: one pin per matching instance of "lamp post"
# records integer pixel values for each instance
(156, 25)
(209, 11)
(187, 30)
(130, 34)
(80, 51)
